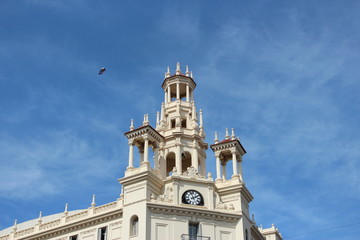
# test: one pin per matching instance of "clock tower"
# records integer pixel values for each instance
(170, 194)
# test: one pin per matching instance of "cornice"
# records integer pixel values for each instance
(75, 226)
(194, 211)
(144, 130)
(141, 176)
(226, 188)
(228, 144)
(180, 78)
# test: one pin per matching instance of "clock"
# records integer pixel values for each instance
(192, 197)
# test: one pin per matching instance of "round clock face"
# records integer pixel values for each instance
(193, 197)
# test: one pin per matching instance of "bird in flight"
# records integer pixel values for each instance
(102, 70)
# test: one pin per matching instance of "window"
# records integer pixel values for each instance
(193, 231)
(102, 233)
(75, 237)
(183, 123)
(246, 234)
(134, 226)
(173, 121)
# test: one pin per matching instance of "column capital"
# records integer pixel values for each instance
(217, 153)
(131, 141)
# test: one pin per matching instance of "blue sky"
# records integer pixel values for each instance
(284, 74)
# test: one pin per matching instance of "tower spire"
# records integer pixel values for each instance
(226, 133)
(167, 74)
(132, 124)
(178, 71)
(157, 118)
(93, 204)
(233, 134)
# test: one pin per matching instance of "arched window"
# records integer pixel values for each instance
(134, 226)
(170, 163)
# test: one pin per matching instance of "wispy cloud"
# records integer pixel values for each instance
(35, 167)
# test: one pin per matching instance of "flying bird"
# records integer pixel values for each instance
(102, 70)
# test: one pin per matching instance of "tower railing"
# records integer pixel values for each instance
(193, 237)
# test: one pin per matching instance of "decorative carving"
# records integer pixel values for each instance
(88, 231)
(221, 206)
(49, 224)
(115, 224)
(105, 207)
(76, 216)
(192, 172)
(166, 197)
(24, 232)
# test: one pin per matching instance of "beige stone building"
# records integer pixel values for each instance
(167, 193)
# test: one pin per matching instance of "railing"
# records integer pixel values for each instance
(193, 237)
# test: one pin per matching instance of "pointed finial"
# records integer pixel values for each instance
(15, 225)
(194, 115)
(66, 207)
(232, 134)
(157, 118)
(216, 138)
(178, 71)
(191, 75)
(132, 124)
(187, 71)
(167, 74)
(93, 204)
(238, 138)
(227, 133)
(253, 217)
(40, 217)
(146, 120)
(201, 119)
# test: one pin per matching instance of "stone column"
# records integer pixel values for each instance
(177, 91)
(234, 162)
(187, 93)
(168, 94)
(156, 158)
(131, 155)
(141, 152)
(218, 173)
(240, 168)
(223, 171)
(165, 96)
(178, 162)
(146, 149)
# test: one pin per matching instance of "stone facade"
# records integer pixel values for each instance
(169, 195)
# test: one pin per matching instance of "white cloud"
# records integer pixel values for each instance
(33, 167)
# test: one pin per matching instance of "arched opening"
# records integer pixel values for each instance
(182, 92)
(186, 160)
(170, 163)
(134, 226)
(173, 92)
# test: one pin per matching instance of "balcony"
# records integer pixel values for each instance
(193, 237)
